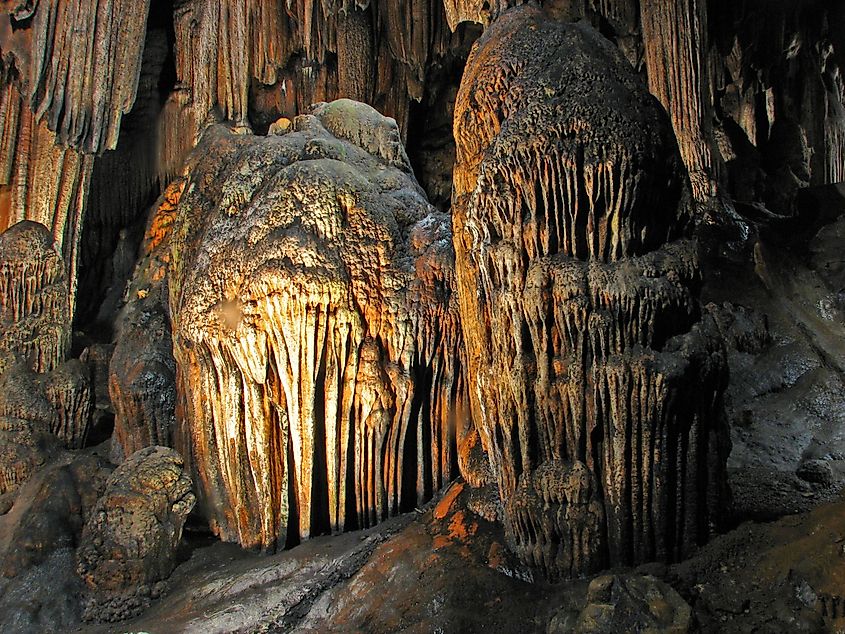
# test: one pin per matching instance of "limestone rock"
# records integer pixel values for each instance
(50, 512)
(251, 62)
(25, 447)
(68, 73)
(596, 381)
(315, 329)
(129, 542)
(39, 413)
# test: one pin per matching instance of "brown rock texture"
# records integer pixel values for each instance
(129, 541)
(50, 512)
(675, 42)
(142, 372)
(38, 414)
(595, 380)
(39, 587)
(68, 73)
(40, 392)
(315, 329)
(34, 304)
(626, 603)
(25, 447)
(249, 62)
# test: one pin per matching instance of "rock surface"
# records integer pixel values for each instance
(34, 304)
(596, 380)
(39, 588)
(142, 372)
(626, 603)
(315, 329)
(128, 545)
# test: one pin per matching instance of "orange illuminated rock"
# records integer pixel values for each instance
(315, 329)
(595, 379)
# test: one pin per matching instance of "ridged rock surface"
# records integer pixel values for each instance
(38, 413)
(34, 305)
(40, 392)
(68, 73)
(315, 328)
(595, 381)
(129, 541)
(256, 58)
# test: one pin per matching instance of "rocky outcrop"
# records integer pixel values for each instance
(128, 545)
(50, 512)
(25, 447)
(315, 328)
(626, 603)
(39, 587)
(595, 380)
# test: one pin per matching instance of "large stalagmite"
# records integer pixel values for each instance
(315, 328)
(594, 377)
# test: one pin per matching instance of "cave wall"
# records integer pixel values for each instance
(739, 96)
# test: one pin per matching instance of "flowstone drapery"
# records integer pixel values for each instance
(315, 328)
(595, 379)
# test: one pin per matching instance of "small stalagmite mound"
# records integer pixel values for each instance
(128, 545)
(595, 378)
(34, 304)
(315, 328)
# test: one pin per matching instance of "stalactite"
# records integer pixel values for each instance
(68, 74)
(315, 328)
(595, 379)
(676, 40)
(288, 57)
(78, 63)
(41, 181)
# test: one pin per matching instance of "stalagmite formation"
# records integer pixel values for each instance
(128, 545)
(315, 328)
(40, 392)
(142, 372)
(34, 305)
(595, 380)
